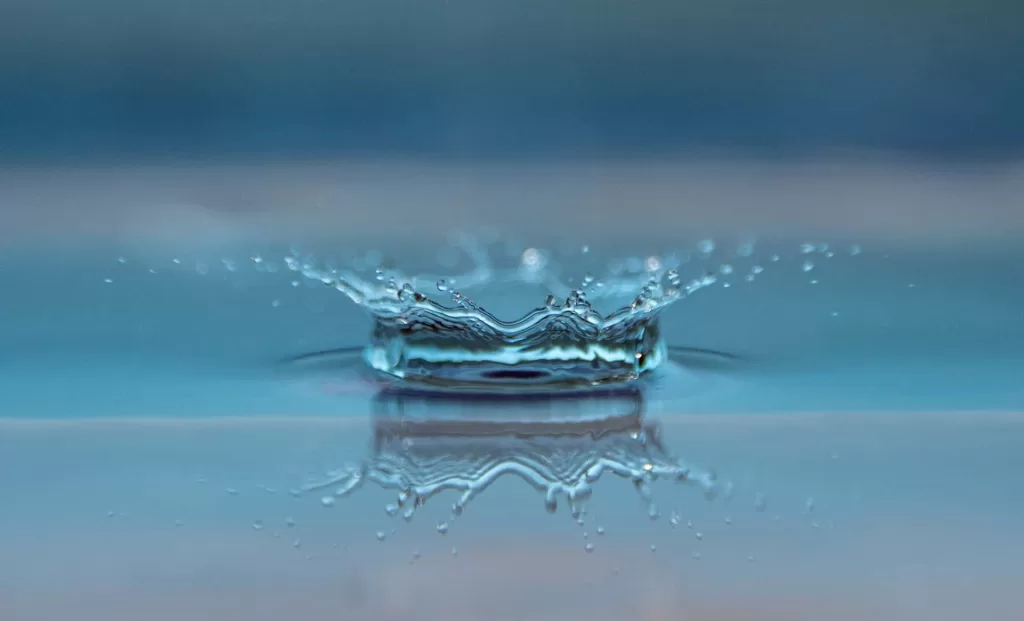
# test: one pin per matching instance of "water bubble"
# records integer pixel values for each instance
(531, 258)
(442, 285)
(257, 525)
(442, 528)
(202, 268)
(706, 246)
(808, 266)
(327, 501)
(589, 547)
(381, 536)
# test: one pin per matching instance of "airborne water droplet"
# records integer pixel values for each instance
(442, 528)
(442, 285)
(589, 547)
(327, 501)
(381, 536)
(257, 525)
(808, 266)
(289, 522)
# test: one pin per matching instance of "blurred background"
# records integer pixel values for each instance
(121, 79)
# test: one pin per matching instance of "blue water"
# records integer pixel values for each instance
(871, 428)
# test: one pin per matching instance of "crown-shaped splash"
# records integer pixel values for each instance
(588, 330)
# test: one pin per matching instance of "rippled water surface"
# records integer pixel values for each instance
(861, 421)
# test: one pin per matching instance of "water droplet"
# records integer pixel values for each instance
(231, 491)
(257, 525)
(297, 544)
(745, 250)
(757, 269)
(673, 277)
(202, 269)
(600, 530)
(442, 285)
(674, 519)
(391, 509)
(295, 283)
(750, 559)
(696, 556)
(415, 556)
(855, 250)
(809, 505)
(706, 246)
(108, 280)
(176, 261)
(699, 535)
(179, 523)
(589, 547)
(381, 536)
(257, 259)
(585, 249)
(829, 254)
(760, 502)
(110, 514)
(725, 269)
(689, 524)
(806, 248)
(728, 521)
(653, 263)
(531, 258)
(442, 528)
(289, 522)
(654, 548)
(808, 266)
(455, 551)
(775, 258)
(327, 501)
(275, 302)
(652, 512)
